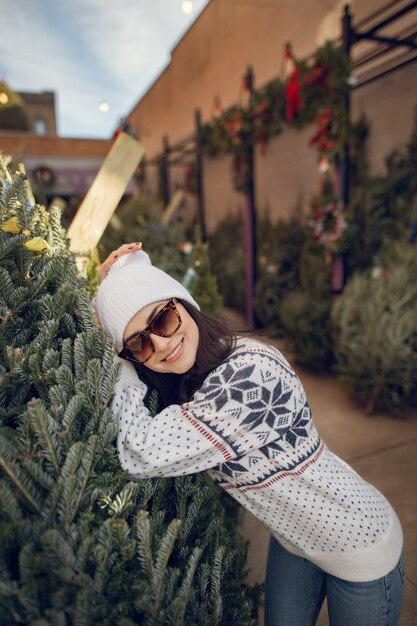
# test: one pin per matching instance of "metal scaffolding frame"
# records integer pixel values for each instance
(390, 52)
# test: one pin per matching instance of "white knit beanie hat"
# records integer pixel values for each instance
(131, 284)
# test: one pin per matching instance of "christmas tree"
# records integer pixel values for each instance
(228, 260)
(139, 219)
(81, 543)
(375, 333)
(204, 284)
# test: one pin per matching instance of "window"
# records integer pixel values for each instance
(41, 127)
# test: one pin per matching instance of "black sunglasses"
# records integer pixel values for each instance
(139, 347)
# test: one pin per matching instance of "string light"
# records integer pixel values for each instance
(4, 98)
(187, 6)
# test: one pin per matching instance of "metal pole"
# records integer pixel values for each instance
(338, 260)
(199, 166)
(165, 172)
(250, 221)
(345, 165)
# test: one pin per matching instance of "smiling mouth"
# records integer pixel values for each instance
(174, 353)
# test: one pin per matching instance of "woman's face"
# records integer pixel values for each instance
(173, 355)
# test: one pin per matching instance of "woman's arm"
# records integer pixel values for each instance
(247, 402)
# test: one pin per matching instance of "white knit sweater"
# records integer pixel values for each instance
(250, 426)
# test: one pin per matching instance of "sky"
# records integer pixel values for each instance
(89, 52)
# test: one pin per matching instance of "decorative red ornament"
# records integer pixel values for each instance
(234, 126)
(316, 76)
(324, 138)
(328, 224)
(292, 97)
(186, 247)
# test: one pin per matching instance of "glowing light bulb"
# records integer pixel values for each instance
(187, 6)
(323, 164)
(104, 106)
(4, 98)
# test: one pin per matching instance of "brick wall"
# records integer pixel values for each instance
(24, 144)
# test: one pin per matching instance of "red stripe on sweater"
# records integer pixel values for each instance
(281, 475)
(276, 355)
(207, 435)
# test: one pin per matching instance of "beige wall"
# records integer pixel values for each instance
(390, 105)
(211, 60)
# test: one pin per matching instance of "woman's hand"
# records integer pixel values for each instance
(126, 248)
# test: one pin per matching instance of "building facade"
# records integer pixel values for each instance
(40, 110)
(56, 166)
(206, 71)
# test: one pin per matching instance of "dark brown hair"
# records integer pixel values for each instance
(216, 342)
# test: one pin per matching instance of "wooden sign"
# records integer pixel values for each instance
(176, 202)
(104, 195)
(21, 168)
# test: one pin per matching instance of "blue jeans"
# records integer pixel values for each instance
(295, 590)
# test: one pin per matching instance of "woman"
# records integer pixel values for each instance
(234, 407)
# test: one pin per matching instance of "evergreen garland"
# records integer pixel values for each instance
(265, 115)
(322, 85)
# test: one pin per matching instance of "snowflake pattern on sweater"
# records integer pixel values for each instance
(250, 426)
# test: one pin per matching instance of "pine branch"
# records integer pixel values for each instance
(72, 410)
(121, 534)
(84, 310)
(65, 378)
(192, 512)
(216, 580)
(9, 503)
(164, 552)
(60, 546)
(45, 431)
(176, 613)
(43, 478)
(103, 551)
(80, 478)
(143, 532)
(67, 354)
(19, 478)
